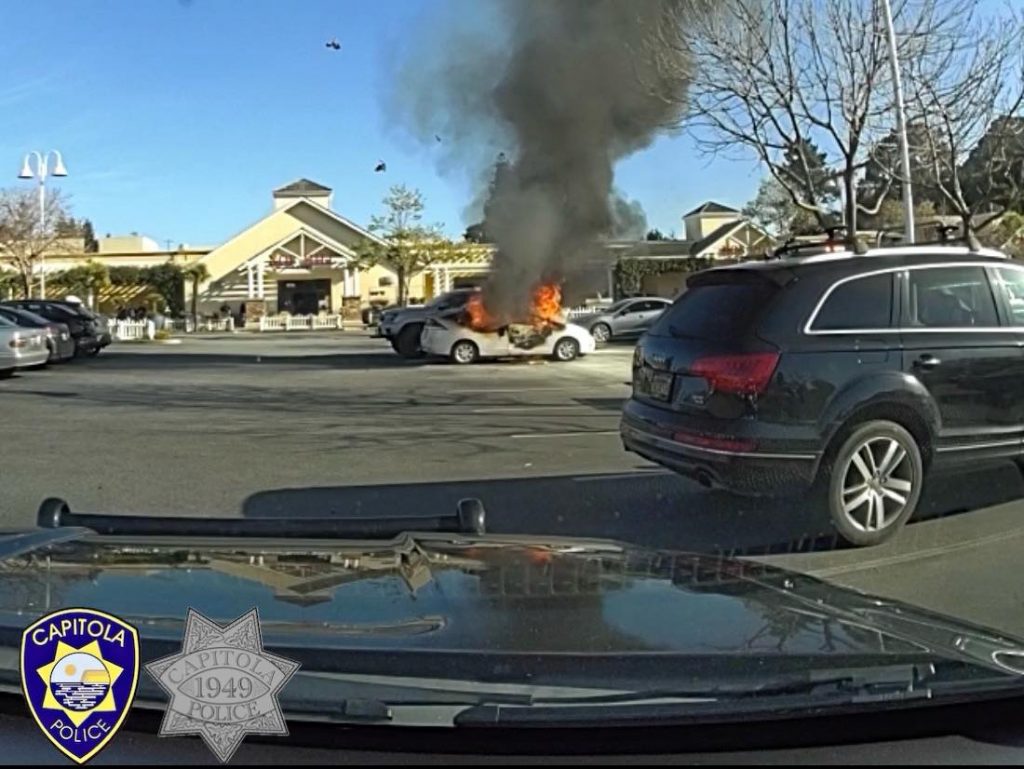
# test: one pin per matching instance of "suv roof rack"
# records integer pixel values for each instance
(948, 234)
(837, 238)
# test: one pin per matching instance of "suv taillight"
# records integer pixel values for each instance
(747, 374)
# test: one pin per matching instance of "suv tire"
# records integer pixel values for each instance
(876, 469)
(407, 342)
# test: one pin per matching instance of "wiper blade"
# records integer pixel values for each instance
(404, 701)
(469, 518)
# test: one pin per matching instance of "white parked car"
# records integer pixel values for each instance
(445, 337)
(21, 348)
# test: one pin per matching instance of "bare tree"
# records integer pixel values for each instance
(774, 76)
(23, 238)
(407, 244)
(967, 91)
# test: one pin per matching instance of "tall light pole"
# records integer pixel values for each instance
(42, 170)
(901, 126)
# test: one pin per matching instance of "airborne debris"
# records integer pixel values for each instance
(381, 167)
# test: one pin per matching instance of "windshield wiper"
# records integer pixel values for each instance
(469, 518)
(403, 701)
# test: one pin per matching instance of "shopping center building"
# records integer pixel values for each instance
(301, 258)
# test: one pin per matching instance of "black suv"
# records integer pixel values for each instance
(852, 374)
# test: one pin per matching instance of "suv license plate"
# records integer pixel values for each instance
(653, 384)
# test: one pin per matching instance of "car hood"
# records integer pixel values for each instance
(480, 594)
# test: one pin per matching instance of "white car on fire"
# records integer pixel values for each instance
(463, 345)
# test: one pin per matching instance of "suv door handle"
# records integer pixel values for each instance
(927, 361)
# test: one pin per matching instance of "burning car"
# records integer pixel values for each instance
(473, 332)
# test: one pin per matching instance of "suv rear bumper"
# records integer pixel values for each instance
(762, 473)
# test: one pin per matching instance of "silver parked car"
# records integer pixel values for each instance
(58, 338)
(21, 347)
(627, 318)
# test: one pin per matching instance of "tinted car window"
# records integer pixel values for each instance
(951, 297)
(650, 306)
(1011, 283)
(715, 310)
(859, 303)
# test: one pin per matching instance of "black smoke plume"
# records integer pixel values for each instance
(564, 89)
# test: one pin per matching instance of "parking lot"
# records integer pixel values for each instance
(334, 422)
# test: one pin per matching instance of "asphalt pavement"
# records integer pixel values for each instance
(334, 423)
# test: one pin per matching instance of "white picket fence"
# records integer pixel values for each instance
(130, 330)
(574, 312)
(205, 324)
(298, 323)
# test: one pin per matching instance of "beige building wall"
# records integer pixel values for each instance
(701, 225)
(284, 202)
(324, 222)
(242, 247)
(120, 244)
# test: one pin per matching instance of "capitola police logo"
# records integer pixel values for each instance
(79, 670)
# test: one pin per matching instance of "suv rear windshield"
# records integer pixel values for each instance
(713, 309)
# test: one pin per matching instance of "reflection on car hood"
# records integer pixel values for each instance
(480, 594)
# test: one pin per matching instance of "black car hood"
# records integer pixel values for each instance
(472, 595)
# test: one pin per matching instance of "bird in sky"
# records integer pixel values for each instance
(333, 44)
(381, 167)
(437, 137)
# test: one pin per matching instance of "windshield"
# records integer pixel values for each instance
(471, 339)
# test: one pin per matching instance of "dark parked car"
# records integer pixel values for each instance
(58, 336)
(101, 322)
(84, 330)
(851, 375)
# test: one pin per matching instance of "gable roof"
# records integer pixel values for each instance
(338, 218)
(299, 188)
(711, 207)
(699, 246)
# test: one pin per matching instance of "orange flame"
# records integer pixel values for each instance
(477, 316)
(545, 310)
(547, 305)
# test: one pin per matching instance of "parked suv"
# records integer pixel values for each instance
(849, 374)
(403, 326)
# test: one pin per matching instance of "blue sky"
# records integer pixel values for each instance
(176, 118)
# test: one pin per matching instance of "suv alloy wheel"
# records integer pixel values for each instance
(874, 482)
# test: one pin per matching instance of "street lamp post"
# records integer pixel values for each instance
(41, 171)
(901, 125)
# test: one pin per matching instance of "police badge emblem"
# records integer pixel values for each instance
(79, 670)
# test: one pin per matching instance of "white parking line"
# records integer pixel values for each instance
(634, 475)
(531, 406)
(932, 552)
(563, 388)
(565, 435)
